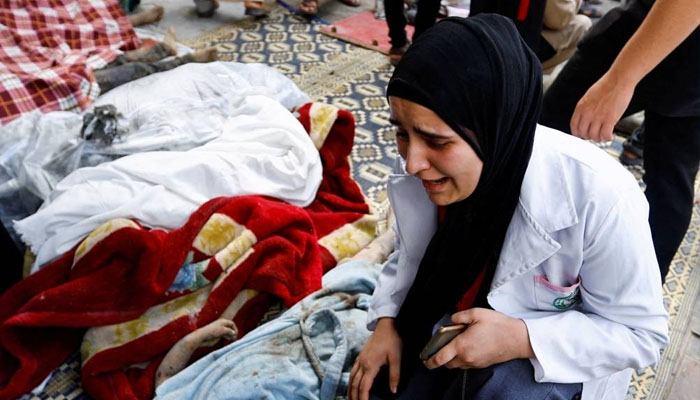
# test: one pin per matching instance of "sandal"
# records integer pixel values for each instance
(351, 3)
(633, 148)
(396, 53)
(309, 7)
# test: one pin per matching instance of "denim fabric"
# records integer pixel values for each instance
(513, 380)
(306, 353)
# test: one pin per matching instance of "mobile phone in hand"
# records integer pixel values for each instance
(442, 336)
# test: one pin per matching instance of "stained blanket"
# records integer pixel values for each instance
(48, 49)
(308, 350)
(145, 289)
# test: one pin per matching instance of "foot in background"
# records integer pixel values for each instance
(309, 7)
(256, 9)
(170, 42)
(204, 55)
(147, 16)
(150, 52)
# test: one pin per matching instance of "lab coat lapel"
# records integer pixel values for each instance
(526, 246)
(546, 205)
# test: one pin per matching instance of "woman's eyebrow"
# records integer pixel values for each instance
(430, 135)
(421, 131)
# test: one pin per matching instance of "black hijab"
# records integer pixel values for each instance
(478, 74)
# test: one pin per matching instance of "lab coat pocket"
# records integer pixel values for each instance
(556, 298)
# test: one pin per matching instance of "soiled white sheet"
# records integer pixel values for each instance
(262, 149)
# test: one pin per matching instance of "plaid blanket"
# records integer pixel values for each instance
(48, 49)
(142, 290)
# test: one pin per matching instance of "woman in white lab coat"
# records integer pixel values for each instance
(537, 240)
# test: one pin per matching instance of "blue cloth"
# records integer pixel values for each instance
(306, 353)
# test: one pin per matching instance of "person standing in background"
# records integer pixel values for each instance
(426, 15)
(644, 56)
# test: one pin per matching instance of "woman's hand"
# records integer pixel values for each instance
(601, 107)
(491, 338)
(383, 347)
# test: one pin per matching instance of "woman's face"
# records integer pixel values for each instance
(437, 155)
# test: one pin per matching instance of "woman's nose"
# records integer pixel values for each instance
(416, 159)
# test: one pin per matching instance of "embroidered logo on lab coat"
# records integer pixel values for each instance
(566, 302)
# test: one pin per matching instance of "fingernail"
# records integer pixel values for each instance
(393, 389)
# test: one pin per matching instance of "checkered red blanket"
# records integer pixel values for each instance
(49, 47)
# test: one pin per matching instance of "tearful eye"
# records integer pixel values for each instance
(438, 145)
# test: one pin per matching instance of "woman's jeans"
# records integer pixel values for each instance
(509, 380)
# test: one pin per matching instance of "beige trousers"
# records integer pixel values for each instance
(564, 41)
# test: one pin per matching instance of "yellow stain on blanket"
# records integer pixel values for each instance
(350, 238)
(323, 117)
(110, 336)
(219, 231)
(99, 234)
(234, 250)
(224, 239)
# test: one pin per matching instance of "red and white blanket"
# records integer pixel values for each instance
(140, 291)
(49, 47)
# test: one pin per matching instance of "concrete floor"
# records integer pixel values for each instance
(181, 15)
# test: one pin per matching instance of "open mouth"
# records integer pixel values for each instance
(437, 181)
(434, 185)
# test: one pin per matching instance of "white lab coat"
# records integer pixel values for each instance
(577, 265)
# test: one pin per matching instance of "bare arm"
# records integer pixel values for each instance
(668, 23)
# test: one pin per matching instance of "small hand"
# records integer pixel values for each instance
(492, 337)
(382, 348)
(601, 107)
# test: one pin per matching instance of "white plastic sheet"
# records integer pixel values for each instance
(252, 145)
